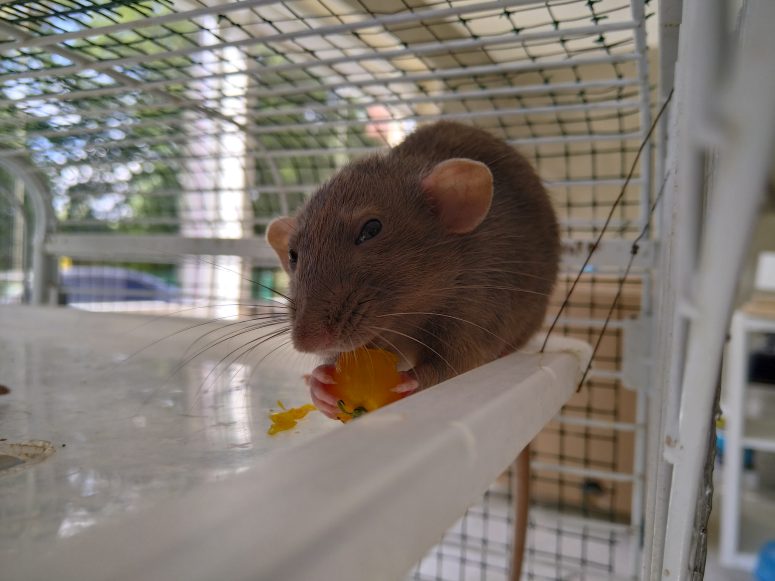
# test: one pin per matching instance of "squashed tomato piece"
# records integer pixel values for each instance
(287, 419)
(364, 380)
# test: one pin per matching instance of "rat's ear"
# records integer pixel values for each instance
(460, 192)
(277, 235)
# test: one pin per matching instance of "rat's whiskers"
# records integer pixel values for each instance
(439, 355)
(461, 319)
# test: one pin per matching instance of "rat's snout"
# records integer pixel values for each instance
(326, 321)
(312, 339)
(311, 334)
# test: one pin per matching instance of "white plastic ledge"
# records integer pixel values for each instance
(362, 502)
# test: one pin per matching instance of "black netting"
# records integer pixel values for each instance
(209, 119)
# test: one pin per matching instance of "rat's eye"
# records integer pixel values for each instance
(293, 258)
(370, 230)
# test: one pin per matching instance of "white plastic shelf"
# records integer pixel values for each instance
(747, 517)
(153, 485)
(759, 434)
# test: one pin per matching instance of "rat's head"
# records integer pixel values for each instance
(376, 241)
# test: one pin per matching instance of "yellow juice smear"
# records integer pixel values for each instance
(287, 419)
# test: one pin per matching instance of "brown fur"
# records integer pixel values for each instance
(486, 292)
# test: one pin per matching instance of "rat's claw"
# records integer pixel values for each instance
(319, 382)
(325, 407)
(408, 384)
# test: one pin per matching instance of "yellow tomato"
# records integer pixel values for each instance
(364, 379)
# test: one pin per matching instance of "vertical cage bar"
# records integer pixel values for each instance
(656, 476)
(43, 271)
(639, 452)
(745, 140)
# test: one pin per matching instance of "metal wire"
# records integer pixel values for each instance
(208, 119)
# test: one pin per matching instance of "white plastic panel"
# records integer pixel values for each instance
(153, 485)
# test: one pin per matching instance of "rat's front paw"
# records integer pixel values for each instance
(341, 396)
(320, 382)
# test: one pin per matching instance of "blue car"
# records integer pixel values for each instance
(90, 284)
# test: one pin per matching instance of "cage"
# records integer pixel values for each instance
(146, 146)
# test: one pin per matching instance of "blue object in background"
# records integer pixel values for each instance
(89, 284)
(765, 567)
(748, 453)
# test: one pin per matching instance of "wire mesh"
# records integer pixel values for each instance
(205, 120)
(141, 105)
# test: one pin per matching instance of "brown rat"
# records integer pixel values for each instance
(443, 250)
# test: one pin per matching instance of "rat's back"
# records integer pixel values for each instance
(512, 257)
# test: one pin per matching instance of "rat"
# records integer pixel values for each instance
(444, 250)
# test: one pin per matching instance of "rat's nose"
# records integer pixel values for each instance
(312, 339)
